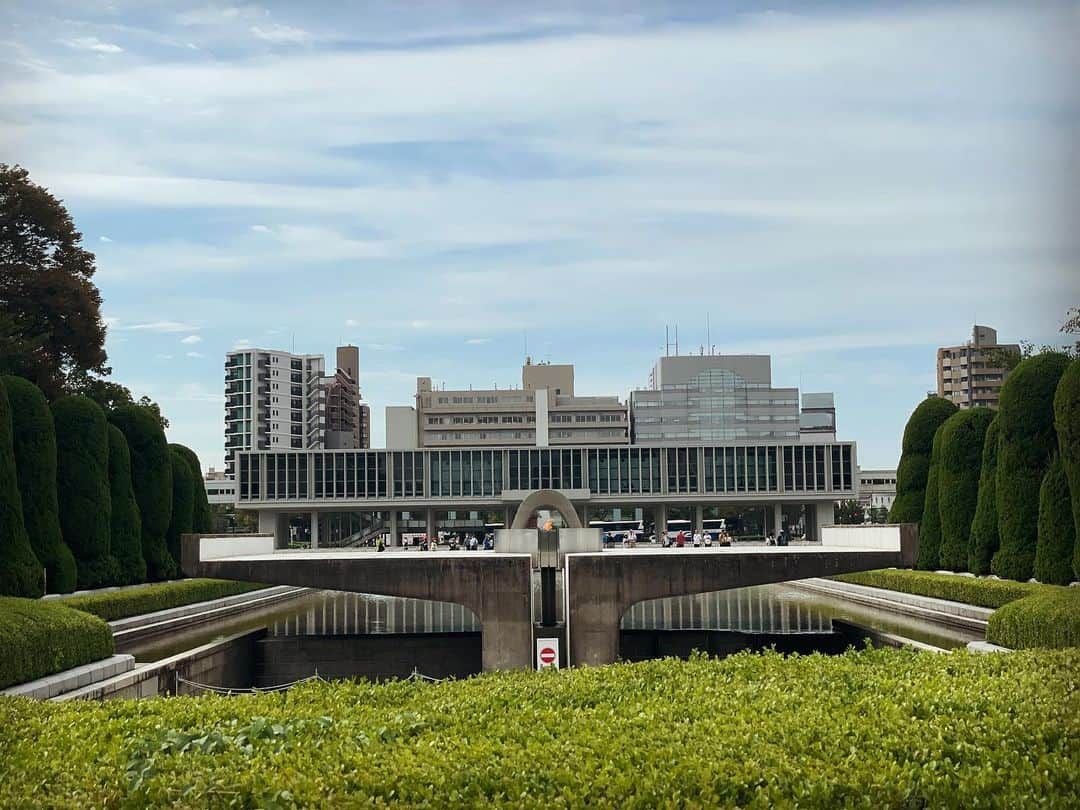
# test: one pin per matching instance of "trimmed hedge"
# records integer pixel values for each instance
(202, 521)
(984, 527)
(914, 466)
(183, 502)
(1057, 533)
(151, 478)
(82, 484)
(1026, 423)
(962, 438)
(113, 605)
(21, 574)
(873, 728)
(989, 593)
(126, 523)
(1067, 424)
(930, 527)
(34, 439)
(1048, 618)
(42, 637)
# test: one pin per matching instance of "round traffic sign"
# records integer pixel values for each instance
(547, 655)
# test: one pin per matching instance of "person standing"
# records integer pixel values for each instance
(680, 540)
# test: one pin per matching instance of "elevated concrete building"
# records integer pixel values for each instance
(877, 489)
(971, 375)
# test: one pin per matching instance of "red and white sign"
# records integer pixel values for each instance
(547, 653)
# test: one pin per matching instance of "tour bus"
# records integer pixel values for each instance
(616, 530)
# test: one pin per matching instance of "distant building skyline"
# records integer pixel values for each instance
(971, 375)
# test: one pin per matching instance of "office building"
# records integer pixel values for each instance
(971, 375)
(545, 411)
(817, 419)
(877, 490)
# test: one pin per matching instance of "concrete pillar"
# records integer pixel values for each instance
(583, 515)
(661, 521)
(314, 529)
(393, 527)
(432, 526)
(778, 518)
(699, 518)
(508, 516)
(823, 515)
(274, 523)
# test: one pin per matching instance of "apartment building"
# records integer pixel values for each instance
(971, 375)
(544, 412)
(348, 417)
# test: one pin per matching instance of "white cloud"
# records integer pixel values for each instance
(351, 322)
(163, 357)
(260, 229)
(242, 343)
(104, 239)
(92, 44)
(212, 16)
(477, 341)
(193, 354)
(192, 339)
(277, 33)
(161, 326)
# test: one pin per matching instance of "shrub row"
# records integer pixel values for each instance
(1067, 425)
(989, 593)
(875, 728)
(914, 466)
(39, 638)
(20, 572)
(1049, 617)
(120, 604)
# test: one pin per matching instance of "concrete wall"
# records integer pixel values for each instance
(232, 545)
(902, 537)
(401, 430)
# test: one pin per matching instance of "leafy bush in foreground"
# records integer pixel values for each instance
(879, 728)
(962, 439)
(990, 593)
(162, 596)
(42, 637)
(21, 573)
(1048, 618)
(984, 526)
(1057, 533)
(915, 458)
(930, 527)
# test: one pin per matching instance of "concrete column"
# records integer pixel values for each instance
(432, 525)
(778, 518)
(508, 516)
(823, 516)
(661, 521)
(274, 523)
(314, 529)
(699, 518)
(583, 515)
(393, 527)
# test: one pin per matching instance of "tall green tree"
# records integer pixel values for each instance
(201, 521)
(183, 502)
(983, 541)
(151, 477)
(53, 310)
(21, 574)
(929, 557)
(914, 466)
(82, 482)
(962, 439)
(1067, 424)
(1026, 424)
(35, 460)
(1057, 532)
(126, 523)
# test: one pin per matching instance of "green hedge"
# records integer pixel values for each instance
(962, 438)
(914, 466)
(42, 637)
(989, 593)
(984, 527)
(930, 527)
(126, 523)
(1026, 422)
(120, 604)
(35, 460)
(874, 728)
(1057, 533)
(201, 518)
(82, 484)
(183, 502)
(1047, 618)
(21, 574)
(1067, 424)
(151, 477)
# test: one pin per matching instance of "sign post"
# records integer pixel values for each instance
(547, 653)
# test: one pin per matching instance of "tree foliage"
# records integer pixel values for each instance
(962, 437)
(914, 467)
(930, 525)
(21, 574)
(1057, 532)
(1026, 424)
(35, 460)
(183, 502)
(126, 522)
(1067, 424)
(849, 512)
(46, 289)
(201, 520)
(82, 482)
(151, 477)
(983, 541)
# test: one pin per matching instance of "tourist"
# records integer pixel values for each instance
(697, 539)
(381, 546)
(707, 539)
(680, 540)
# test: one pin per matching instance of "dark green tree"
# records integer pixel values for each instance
(82, 484)
(111, 395)
(151, 477)
(126, 523)
(1057, 532)
(983, 541)
(930, 526)
(46, 288)
(201, 520)
(914, 466)
(1067, 423)
(21, 574)
(849, 512)
(962, 438)
(35, 461)
(183, 501)
(1026, 424)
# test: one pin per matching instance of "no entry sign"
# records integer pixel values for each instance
(547, 653)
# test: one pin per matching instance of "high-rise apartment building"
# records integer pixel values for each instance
(544, 412)
(971, 375)
(348, 418)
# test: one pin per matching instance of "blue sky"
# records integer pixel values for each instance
(841, 187)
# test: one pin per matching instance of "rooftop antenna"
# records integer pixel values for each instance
(525, 332)
(676, 340)
(667, 340)
(708, 332)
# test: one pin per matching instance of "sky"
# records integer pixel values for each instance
(843, 186)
